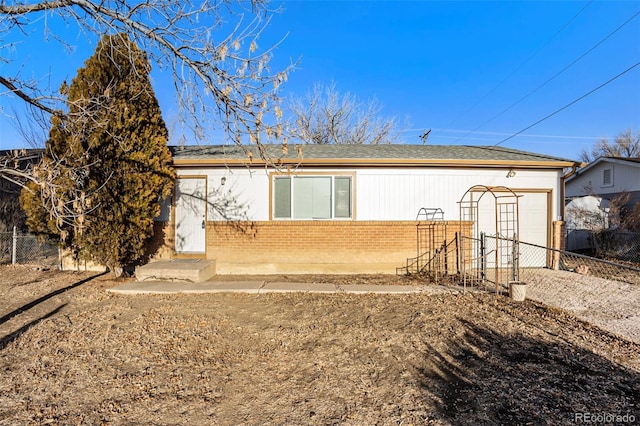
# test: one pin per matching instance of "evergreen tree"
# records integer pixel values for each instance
(107, 160)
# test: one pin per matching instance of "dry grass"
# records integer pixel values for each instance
(85, 356)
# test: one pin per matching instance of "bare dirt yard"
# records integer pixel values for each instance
(72, 353)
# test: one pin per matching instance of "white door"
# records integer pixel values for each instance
(191, 211)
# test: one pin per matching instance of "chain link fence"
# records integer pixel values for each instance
(611, 244)
(495, 262)
(23, 248)
(560, 260)
(618, 245)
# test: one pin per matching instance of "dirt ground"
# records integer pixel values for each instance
(72, 353)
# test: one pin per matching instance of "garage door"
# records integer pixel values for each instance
(534, 217)
(533, 208)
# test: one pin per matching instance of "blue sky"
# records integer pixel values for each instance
(474, 72)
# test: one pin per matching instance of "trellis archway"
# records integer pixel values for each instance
(490, 253)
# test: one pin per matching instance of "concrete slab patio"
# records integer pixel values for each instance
(186, 270)
(256, 287)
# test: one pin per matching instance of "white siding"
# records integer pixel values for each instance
(625, 178)
(398, 194)
(250, 189)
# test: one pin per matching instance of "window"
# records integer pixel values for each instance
(607, 177)
(312, 197)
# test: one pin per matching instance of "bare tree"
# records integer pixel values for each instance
(221, 76)
(32, 125)
(16, 165)
(210, 48)
(626, 145)
(325, 116)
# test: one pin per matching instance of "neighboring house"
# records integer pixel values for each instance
(11, 213)
(342, 208)
(607, 177)
(589, 191)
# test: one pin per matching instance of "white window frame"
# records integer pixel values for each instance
(332, 190)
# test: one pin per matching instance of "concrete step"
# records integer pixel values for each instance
(187, 270)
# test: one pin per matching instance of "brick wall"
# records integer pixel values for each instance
(313, 246)
(303, 246)
(161, 245)
(316, 246)
(559, 235)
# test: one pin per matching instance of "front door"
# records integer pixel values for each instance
(190, 217)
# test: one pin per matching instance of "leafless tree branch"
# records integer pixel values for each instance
(625, 145)
(325, 116)
(210, 48)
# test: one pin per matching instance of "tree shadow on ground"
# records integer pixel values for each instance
(491, 376)
(6, 340)
(46, 297)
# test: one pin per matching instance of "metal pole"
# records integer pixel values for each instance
(482, 258)
(516, 258)
(446, 258)
(14, 251)
(457, 254)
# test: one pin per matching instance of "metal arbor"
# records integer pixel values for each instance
(485, 257)
(431, 242)
(435, 256)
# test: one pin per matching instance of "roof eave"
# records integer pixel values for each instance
(585, 167)
(352, 162)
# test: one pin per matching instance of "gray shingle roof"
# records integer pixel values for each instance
(362, 152)
(627, 160)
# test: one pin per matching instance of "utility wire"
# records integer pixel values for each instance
(421, 129)
(554, 76)
(522, 64)
(570, 103)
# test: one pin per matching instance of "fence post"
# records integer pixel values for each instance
(482, 258)
(446, 260)
(463, 263)
(14, 248)
(516, 258)
(457, 253)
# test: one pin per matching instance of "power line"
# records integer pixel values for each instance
(488, 140)
(522, 64)
(439, 130)
(554, 76)
(570, 103)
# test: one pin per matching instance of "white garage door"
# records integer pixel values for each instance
(533, 223)
(534, 218)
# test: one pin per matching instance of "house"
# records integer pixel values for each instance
(588, 193)
(342, 208)
(607, 177)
